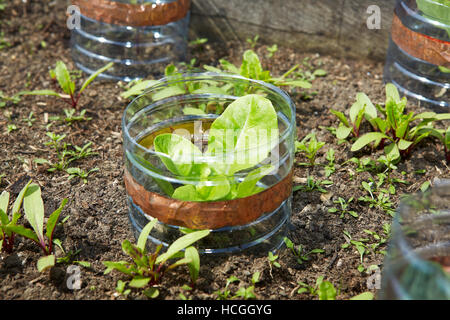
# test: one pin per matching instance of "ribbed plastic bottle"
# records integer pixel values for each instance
(140, 36)
(418, 58)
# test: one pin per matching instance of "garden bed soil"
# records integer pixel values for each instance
(37, 36)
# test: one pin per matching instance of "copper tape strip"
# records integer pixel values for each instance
(208, 215)
(135, 15)
(444, 262)
(420, 46)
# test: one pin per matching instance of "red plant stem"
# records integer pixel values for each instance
(76, 101)
(8, 243)
(405, 153)
(355, 131)
(74, 104)
(447, 154)
(11, 242)
(69, 103)
(381, 146)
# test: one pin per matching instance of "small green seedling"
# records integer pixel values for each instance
(69, 256)
(309, 145)
(197, 42)
(121, 288)
(4, 43)
(242, 293)
(65, 153)
(253, 42)
(425, 186)
(62, 76)
(330, 167)
(271, 51)
(363, 164)
(324, 290)
(359, 245)
(382, 200)
(343, 208)
(147, 269)
(226, 294)
(11, 127)
(6, 235)
(379, 240)
(77, 172)
(185, 288)
(71, 117)
(273, 259)
(2, 5)
(33, 207)
(312, 185)
(189, 67)
(298, 251)
(249, 292)
(30, 119)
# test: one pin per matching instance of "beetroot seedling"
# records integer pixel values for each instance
(362, 108)
(396, 132)
(33, 207)
(6, 235)
(66, 82)
(147, 269)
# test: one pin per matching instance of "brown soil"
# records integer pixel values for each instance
(98, 220)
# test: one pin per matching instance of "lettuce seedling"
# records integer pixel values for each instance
(7, 235)
(62, 75)
(436, 10)
(251, 68)
(33, 207)
(240, 139)
(147, 270)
